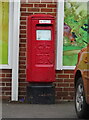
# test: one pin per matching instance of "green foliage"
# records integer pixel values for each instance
(76, 17)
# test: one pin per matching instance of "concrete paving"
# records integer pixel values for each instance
(61, 110)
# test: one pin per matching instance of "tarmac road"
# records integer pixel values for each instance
(61, 110)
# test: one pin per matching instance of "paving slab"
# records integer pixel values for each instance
(61, 110)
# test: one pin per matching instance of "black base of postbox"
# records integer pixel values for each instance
(40, 93)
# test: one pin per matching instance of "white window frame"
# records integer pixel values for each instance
(10, 38)
(15, 55)
(13, 46)
(60, 29)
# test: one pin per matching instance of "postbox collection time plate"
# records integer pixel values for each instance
(45, 21)
(43, 34)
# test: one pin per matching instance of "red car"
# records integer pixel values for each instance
(81, 81)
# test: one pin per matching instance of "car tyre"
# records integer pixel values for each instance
(82, 108)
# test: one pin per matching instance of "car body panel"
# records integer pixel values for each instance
(83, 67)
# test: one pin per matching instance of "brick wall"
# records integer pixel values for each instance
(64, 85)
(64, 79)
(5, 83)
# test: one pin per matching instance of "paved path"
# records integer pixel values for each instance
(62, 110)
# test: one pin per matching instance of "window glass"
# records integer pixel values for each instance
(4, 23)
(75, 31)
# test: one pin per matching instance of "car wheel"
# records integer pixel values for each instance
(82, 108)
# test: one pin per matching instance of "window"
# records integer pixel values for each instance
(6, 18)
(74, 32)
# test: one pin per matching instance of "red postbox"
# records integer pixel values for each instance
(40, 48)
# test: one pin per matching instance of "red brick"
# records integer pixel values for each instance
(6, 71)
(22, 84)
(68, 89)
(0, 95)
(23, 9)
(59, 80)
(46, 10)
(0, 71)
(8, 75)
(22, 89)
(23, 18)
(2, 84)
(33, 9)
(22, 66)
(6, 88)
(62, 94)
(23, 40)
(22, 49)
(2, 75)
(26, 5)
(21, 79)
(59, 71)
(6, 97)
(22, 54)
(63, 76)
(22, 36)
(22, 58)
(23, 31)
(22, 93)
(8, 93)
(53, 14)
(71, 93)
(71, 76)
(22, 27)
(51, 5)
(69, 71)
(26, 14)
(72, 85)
(54, 10)
(23, 23)
(22, 45)
(58, 97)
(0, 88)
(6, 79)
(22, 71)
(68, 80)
(68, 98)
(58, 89)
(22, 62)
(63, 85)
(39, 5)
(8, 84)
